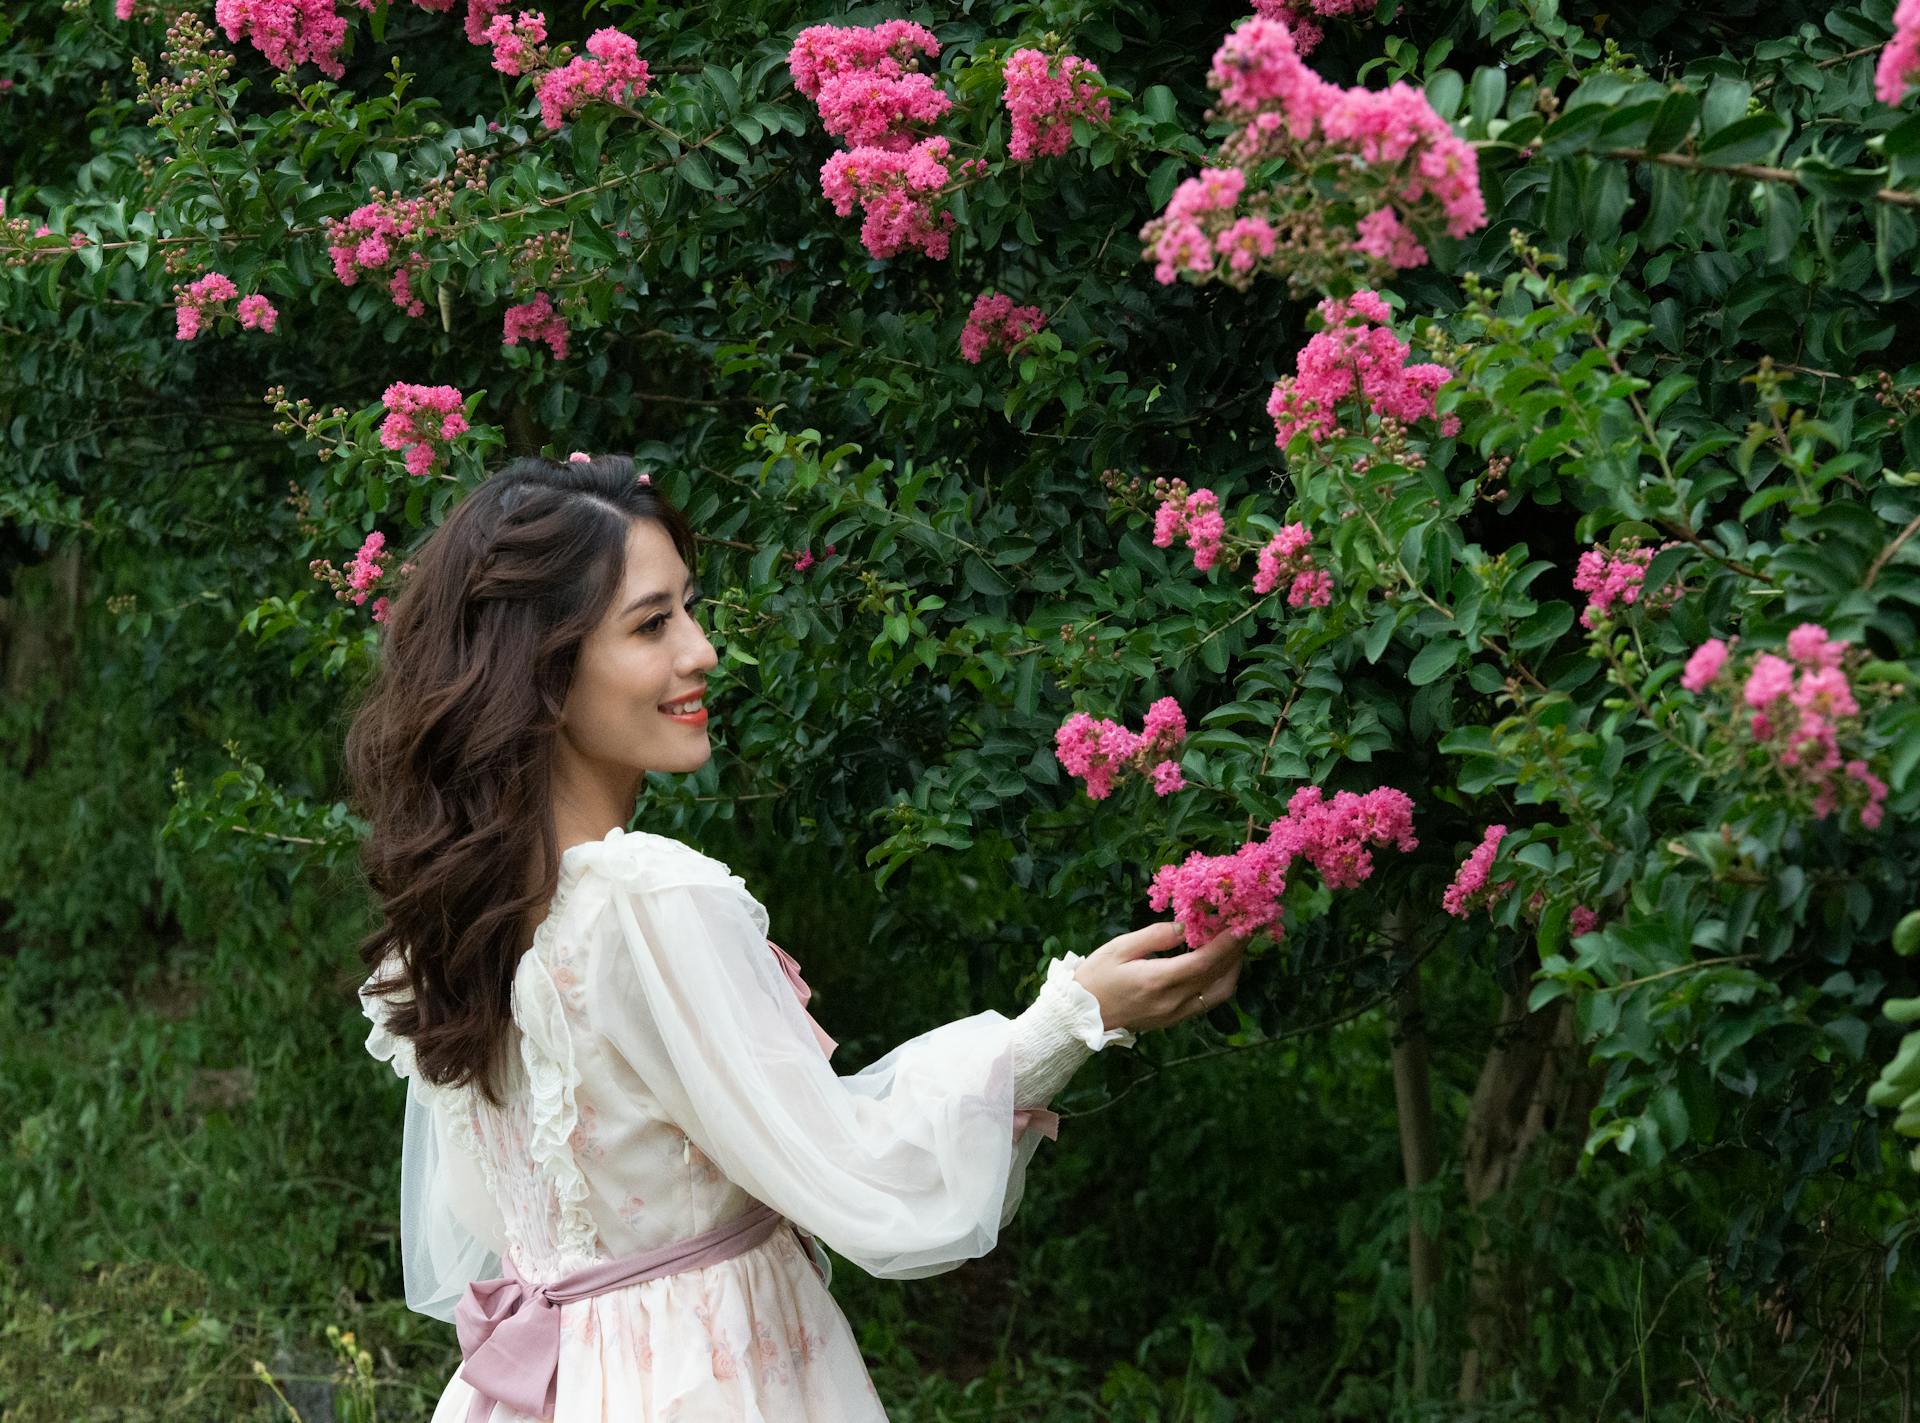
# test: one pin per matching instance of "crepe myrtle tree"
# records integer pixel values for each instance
(1478, 457)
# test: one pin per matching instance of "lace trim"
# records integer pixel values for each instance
(553, 1113)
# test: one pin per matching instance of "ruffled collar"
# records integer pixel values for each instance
(575, 858)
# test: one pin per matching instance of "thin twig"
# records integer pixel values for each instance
(1679, 968)
(1763, 172)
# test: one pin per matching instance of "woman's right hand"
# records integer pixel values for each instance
(1139, 993)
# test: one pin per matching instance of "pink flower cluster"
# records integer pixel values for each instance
(1211, 894)
(1900, 59)
(206, 296)
(422, 420)
(1333, 835)
(1298, 17)
(287, 32)
(803, 560)
(1469, 889)
(1611, 578)
(610, 71)
(866, 83)
(1354, 352)
(1196, 515)
(996, 324)
(1097, 750)
(384, 236)
(1183, 242)
(518, 41)
(1044, 104)
(897, 192)
(366, 571)
(1798, 707)
(1703, 668)
(1241, 892)
(536, 320)
(293, 32)
(1287, 555)
(867, 110)
(887, 50)
(480, 17)
(1388, 152)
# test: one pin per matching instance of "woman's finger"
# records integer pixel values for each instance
(1207, 961)
(1153, 939)
(1213, 992)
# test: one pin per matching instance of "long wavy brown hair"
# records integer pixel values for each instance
(450, 753)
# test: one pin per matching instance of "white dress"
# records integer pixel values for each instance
(663, 1077)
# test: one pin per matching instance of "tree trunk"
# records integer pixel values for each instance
(1535, 1078)
(39, 622)
(39, 635)
(1413, 1103)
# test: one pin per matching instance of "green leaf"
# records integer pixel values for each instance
(1606, 199)
(1379, 635)
(694, 168)
(1574, 130)
(1726, 101)
(1443, 93)
(1824, 180)
(1784, 220)
(1157, 102)
(1673, 123)
(1487, 94)
(1747, 140)
(1543, 627)
(725, 86)
(1160, 182)
(982, 577)
(1629, 127)
(1433, 661)
(1667, 209)
(761, 568)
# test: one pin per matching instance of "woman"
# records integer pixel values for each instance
(622, 1130)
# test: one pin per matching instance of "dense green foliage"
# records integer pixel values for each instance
(1646, 1178)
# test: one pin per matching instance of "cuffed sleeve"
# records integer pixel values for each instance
(1057, 1033)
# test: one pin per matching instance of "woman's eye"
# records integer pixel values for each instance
(653, 625)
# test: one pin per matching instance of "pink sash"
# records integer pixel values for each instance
(510, 1330)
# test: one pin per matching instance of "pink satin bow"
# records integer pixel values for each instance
(1046, 1122)
(803, 993)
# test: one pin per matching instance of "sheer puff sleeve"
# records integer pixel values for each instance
(908, 1167)
(450, 1229)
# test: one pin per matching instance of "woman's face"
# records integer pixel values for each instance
(647, 651)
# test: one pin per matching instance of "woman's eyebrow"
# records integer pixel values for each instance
(651, 599)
